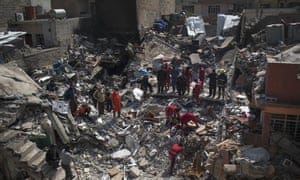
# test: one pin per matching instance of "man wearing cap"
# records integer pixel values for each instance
(99, 95)
(221, 81)
(116, 102)
(212, 83)
(174, 151)
(188, 75)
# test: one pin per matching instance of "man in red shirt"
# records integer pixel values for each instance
(172, 114)
(202, 74)
(187, 117)
(196, 91)
(174, 152)
(188, 75)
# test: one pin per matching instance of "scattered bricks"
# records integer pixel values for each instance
(134, 172)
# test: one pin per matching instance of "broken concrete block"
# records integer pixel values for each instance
(142, 152)
(143, 163)
(27, 125)
(121, 154)
(113, 171)
(113, 142)
(135, 172)
(153, 152)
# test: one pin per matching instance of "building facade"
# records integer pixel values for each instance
(281, 110)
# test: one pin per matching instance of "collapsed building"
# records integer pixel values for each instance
(252, 133)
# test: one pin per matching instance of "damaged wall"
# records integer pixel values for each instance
(8, 9)
(282, 82)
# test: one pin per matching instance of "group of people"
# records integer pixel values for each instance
(179, 79)
(103, 99)
(180, 126)
(217, 80)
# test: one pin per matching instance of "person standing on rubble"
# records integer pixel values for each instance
(161, 80)
(108, 103)
(181, 84)
(99, 95)
(221, 81)
(201, 74)
(197, 90)
(168, 76)
(174, 151)
(66, 160)
(212, 83)
(116, 102)
(145, 85)
(188, 75)
(174, 75)
(52, 156)
(70, 96)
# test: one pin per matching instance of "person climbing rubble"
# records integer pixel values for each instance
(212, 83)
(52, 156)
(188, 75)
(116, 102)
(99, 95)
(186, 118)
(221, 81)
(83, 111)
(196, 91)
(161, 80)
(172, 114)
(174, 151)
(70, 96)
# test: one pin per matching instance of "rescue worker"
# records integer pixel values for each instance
(108, 103)
(181, 85)
(145, 85)
(161, 80)
(174, 75)
(188, 75)
(116, 102)
(51, 86)
(99, 95)
(186, 118)
(52, 156)
(168, 76)
(70, 96)
(83, 111)
(212, 83)
(174, 151)
(197, 90)
(172, 114)
(221, 81)
(202, 74)
(66, 160)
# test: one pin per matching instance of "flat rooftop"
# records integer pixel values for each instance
(290, 56)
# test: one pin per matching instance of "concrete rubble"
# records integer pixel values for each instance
(135, 145)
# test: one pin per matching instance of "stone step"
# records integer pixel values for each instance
(27, 147)
(7, 135)
(37, 160)
(29, 155)
(13, 145)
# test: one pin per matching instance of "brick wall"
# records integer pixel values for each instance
(8, 8)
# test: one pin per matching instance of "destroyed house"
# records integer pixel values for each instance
(280, 107)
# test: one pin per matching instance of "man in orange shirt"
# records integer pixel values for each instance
(175, 150)
(116, 102)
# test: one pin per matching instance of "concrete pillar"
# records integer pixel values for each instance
(266, 128)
